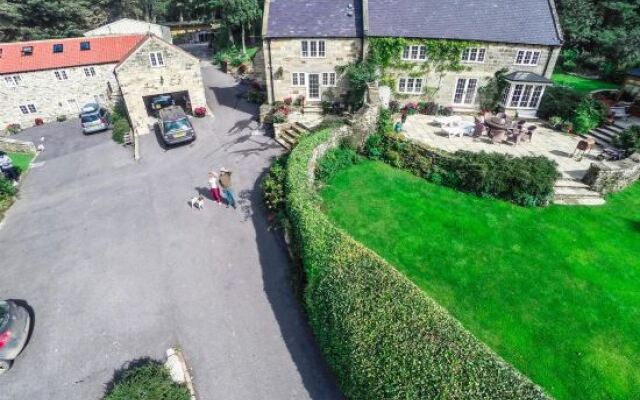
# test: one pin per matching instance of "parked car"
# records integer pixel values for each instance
(174, 126)
(14, 331)
(94, 118)
(162, 101)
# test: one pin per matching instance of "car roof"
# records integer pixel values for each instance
(172, 113)
(90, 108)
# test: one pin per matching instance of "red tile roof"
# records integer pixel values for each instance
(104, 50)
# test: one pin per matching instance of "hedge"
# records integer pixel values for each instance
(383, 337)
(526, 181)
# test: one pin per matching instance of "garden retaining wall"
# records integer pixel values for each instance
(613, 176)
(15, 145)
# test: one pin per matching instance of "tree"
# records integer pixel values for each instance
(240, 13)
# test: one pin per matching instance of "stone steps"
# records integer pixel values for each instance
(570, 192)
(288, 137)
(604, 135)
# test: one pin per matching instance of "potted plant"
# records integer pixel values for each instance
(200, 112)
(555, 122)
(61, 118)
(13, 128)
(567, 127)
(288, 100)
(394, 106)
(39, 121)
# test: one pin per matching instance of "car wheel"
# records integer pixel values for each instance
(5, 365)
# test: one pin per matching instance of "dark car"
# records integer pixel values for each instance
(174, 126)
(14, 331)
(94, 118)
(162, 101)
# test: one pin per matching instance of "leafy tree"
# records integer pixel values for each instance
(239, 13)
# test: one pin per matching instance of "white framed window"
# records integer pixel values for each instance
(12, 80)
(414, 53)
(410, 85)
(89, 72)
(61, 75)
(156, 59)
(527, 57)
(29, 108)
(474, 55)
(297, 79)
(313, 49)
(465, 91)
(328, 79)
(523, 95)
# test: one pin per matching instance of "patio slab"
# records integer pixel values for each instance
(554, 145)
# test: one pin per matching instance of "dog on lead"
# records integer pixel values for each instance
(197, 202)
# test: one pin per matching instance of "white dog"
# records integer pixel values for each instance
(197, 202)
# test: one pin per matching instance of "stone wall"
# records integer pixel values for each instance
(613, 176)
(53, 97)
(137, 78)
(286, 59)
(14, 145)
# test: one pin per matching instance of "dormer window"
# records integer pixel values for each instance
(27, 50)
(58, 48)
(84, 46)
(156, 59)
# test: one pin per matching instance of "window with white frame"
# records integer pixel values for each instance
(12, 80)
(328, 79)
(527, 57)
(29, 108)
(313, 49)
(297, 79)
(465, 92)
(61, 75)
(410, 85)
(156, 59)
(522, 95)
(474, 55)
(89, 72)
(414, 52)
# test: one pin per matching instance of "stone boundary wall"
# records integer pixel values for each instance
(613, 176)
(321, 150)
(15, 145)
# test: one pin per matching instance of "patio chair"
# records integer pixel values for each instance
(516, 137)
(479, 129)
(498, 135)
(529, 133)
(611, 154)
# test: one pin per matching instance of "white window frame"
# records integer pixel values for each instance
(156, 59)
(414, 52)
(61, 74)
(474, 55)
(313, 48)
(298, 79)
(465, 91)
(527, 57)
(89, 72)
(329, 79)
(12, 80)
(28, 108)
(417, 84)
(528, 96)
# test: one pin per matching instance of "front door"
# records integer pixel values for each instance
(313, 92)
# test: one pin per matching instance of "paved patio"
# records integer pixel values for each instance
(552, 144)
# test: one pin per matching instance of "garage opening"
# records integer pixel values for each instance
(161, 100)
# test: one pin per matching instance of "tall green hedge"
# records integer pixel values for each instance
(382, 336)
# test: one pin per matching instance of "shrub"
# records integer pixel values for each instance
(278, 117)
(147, 380)
(120, 128)
(555, 122)
(61, 118)
(13, 128)
(567, 126)
(383, 337)
(6, 188)
(336, 160)
(589, 115)
(559, 101)
(288, 101)
(299, 102)
(384, 123)
(394, 106)
(256, 96)
(628, 140)
(273, 186)
(490, 94)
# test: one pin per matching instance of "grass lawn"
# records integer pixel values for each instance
(582, 85)
(554, 291)
(21, 160)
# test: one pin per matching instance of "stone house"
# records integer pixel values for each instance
(128, 26)
(303, 40)
(47, 79)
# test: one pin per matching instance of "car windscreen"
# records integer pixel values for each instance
(4, 314)
(177, 125)
(89, 118)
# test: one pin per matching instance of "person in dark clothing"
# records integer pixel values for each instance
(6, 165)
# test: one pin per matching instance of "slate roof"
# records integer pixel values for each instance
(104, 50)
(509, 21)
(523, 76)
(314, 18)
(634, 72)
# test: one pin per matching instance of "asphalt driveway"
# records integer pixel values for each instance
(117, 266)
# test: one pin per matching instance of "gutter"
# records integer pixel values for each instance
(267, 40)
(365, 28)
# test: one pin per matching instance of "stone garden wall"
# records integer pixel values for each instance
(613, 176)
(14, 145)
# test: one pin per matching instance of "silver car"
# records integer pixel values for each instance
(94, 118)
(14, 332)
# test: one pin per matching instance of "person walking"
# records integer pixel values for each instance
(214, 188)
(7, 168)
(227, 189)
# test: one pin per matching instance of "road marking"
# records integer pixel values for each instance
(38, 164)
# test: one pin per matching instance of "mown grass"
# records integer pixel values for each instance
(21, 160)
(555, 291)
(582, 85)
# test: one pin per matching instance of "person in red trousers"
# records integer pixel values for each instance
(214, 187)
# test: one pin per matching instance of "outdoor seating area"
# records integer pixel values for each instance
(503, 134)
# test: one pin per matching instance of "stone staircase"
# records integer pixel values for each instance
(312, 107)
(604, 135)
(570, 192)
(289, 134)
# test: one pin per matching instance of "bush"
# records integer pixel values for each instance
(120, 128)
(334, 161)
(383, 337)
(146, 380)
(628, 140)
(490, 95)
(394, 106)
(559, 101)
(590, 114)
(273, 185)
(555, 122)
(13, 128)
(6, 188)
(61, 118)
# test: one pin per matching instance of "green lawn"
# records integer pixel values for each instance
(554, 291)
(582, 85)
(21, 160)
